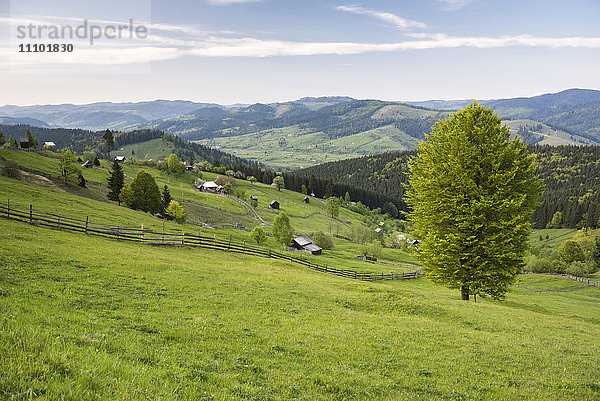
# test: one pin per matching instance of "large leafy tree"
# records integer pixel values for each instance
(282, 229)
(68, 167)
(279, 182)
(472, 192)
(116, 180)
(143, 194)
(174, 165)
(332, 205)
(2, 139)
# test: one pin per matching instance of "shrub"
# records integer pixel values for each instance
(581, 269)
(258, 235)
(325, 241)
(371, 250)
(176, 211)
(10, 168)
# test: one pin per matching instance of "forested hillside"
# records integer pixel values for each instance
(571, 175)
(81, 140)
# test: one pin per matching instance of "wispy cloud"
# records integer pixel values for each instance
(172, 41)
(455, 4)
(396, 20)
(230, 2)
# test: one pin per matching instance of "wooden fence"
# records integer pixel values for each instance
(32, 216)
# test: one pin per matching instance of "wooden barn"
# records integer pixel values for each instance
(305, 244)
(306, 199)
(24, 143)
(274, 204)
(254, 198)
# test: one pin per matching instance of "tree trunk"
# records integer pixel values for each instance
(464, 292)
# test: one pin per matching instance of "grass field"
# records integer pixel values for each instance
(90, 318)
(217, 211)
(291, 148)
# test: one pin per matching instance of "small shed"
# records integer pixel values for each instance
(49, 145)
(306, 199)
(304, 243)
(274, 204)
(188, 166)
(87, 164)
(378, 230)
(120, 159)
(254, 198)
(24, 143)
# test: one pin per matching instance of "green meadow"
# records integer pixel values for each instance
(89, 318)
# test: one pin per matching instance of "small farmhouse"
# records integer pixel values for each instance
(49, 145)
(188, 166)
(274, 204)
(305, 244)
(120, 159)
(211, 186)
(254, 198)
(306, 199)
(24, 143)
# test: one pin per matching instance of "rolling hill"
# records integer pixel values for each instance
(86, 317)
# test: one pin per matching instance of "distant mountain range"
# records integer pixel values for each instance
(314, 130)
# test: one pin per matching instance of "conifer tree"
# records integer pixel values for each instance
(165, 199)
(472, 192)
(109, 141)
(116, 180)
(2, 139)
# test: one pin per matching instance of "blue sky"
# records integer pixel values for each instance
(230, 51)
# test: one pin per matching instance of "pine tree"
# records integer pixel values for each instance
(116, 180)
(33, 143)
(2, 139)
(472, 192)
(109, 141)
(165, 199)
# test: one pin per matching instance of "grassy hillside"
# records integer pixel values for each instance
(126, 321)
(549, 136)
(217, 211)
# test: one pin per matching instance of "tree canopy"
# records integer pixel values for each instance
(282, 229)
(472, 192)
(143, 194)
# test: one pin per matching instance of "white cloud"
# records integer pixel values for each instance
(229, 2)
(399, 22)
(455, 4)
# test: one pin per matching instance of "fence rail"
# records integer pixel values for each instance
(62, 222)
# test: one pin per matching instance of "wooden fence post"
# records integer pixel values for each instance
(229, 246)
(58, 222)
(269, 251)
(142, 232)
(215, 241)
(163, 232)
(30, 213)
(87, 220)
(200, 239)
(244, 251)
(8, 208)
(182, 237)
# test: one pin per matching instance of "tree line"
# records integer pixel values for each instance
(571, 175)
